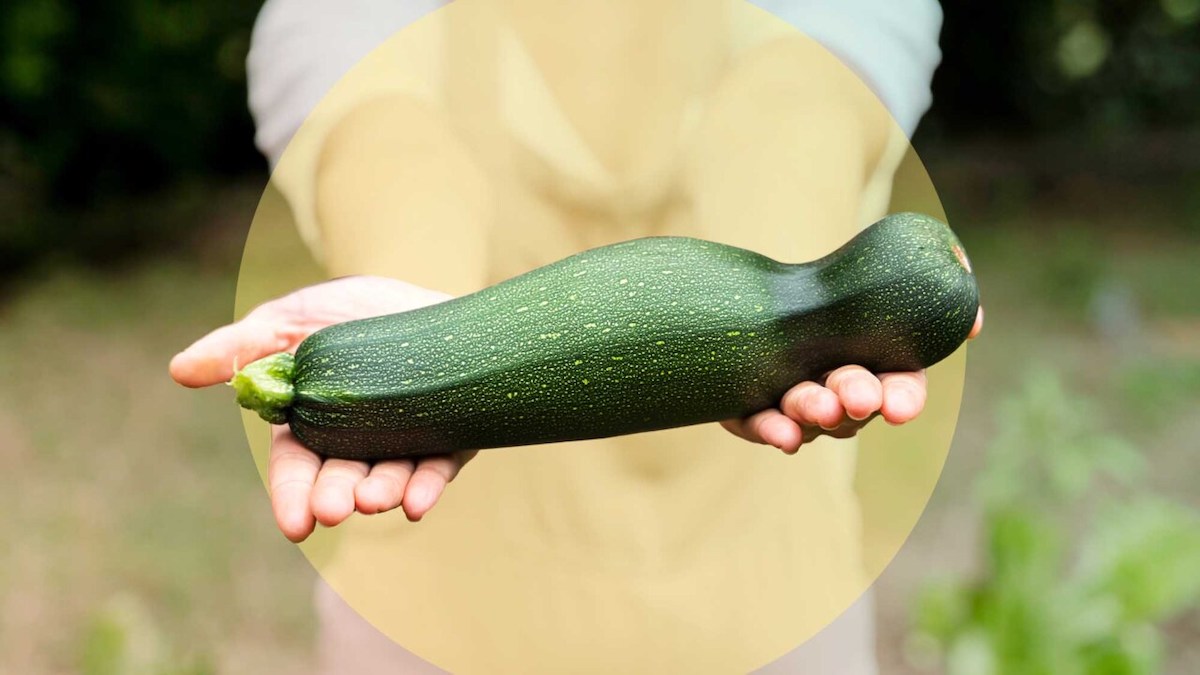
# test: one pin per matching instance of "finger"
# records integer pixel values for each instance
(810, 404)
(291, 472)
(428, 481)
(975, 330)
(743, 428)
(383, 488)
(846, 429)
(332, 498)
(903, 396)
(779, 430)
(859, 391)
(210, 359)
(769, 427)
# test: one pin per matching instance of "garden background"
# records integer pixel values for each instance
(1064, 536)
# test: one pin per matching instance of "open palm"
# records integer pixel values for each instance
(306, 489)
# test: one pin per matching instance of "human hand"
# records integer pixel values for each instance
(305, 489)
(850, 397)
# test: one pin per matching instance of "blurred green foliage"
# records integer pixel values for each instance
(1057, 482)
(1068, 65)
(123, 639)
(104, 100)
(1158, 389)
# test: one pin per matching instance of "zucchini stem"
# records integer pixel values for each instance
(265, 386)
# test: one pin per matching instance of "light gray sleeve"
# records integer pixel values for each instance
(891, 44)
(300, 48)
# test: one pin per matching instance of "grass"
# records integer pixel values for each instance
(112, 472)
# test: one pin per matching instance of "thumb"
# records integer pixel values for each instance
(210, 359)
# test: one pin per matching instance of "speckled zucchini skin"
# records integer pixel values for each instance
(642, 335)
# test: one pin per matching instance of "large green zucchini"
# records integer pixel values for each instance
(646, 334)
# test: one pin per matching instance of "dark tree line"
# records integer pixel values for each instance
(101, 101)
(1055, 66)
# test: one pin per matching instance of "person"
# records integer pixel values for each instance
(676, 118)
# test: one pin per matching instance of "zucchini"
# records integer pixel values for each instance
(641, 335)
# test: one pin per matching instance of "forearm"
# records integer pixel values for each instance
(399, 195)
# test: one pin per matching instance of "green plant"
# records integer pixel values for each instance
(123, 639)
(1056, 482)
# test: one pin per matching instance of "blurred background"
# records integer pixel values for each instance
(1064, 536)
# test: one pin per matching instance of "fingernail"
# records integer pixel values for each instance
(418, 496)
(830, 402)
(903, 399)
(860, 388)
(903, 405)
(858, 391)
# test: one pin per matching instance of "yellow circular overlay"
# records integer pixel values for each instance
(492, 137)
